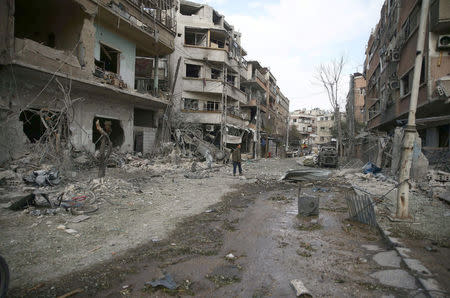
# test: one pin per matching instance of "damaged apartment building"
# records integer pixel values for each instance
(216, 87)
(389, 68)
(94, 60)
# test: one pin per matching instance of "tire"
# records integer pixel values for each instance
(4, 277)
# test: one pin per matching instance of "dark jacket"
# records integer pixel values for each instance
(236, 155)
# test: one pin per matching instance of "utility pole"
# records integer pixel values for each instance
(410, 130)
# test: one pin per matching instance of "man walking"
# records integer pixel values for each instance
(236, 159)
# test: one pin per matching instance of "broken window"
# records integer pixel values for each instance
(190, 104)
(231, 79)
(33, 127)
(216, 74)
(116, 135)
(195, 38)
(47, 23)
(217, 39)
(212, 106)
(405, 84)
(193, 71)
(109, 59)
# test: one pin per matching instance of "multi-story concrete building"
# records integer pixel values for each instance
(208, 89)
(214, 74)
(315, 125)
(389, 66)
(355, 98)
(305, 122)
(102, 53)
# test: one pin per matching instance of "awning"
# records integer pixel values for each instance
(229, 139)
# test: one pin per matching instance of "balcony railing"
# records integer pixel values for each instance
(261, 77)
(160, 14)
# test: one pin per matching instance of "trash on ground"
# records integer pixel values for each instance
(370, 168)
(166, 282)
(43, 178)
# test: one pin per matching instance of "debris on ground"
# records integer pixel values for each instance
(370, 168)
(306, 174)
(43, 178)
(300, 289)
(166, 282)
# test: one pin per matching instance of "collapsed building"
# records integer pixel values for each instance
(218, 90)
(389, 67)
(102, 61)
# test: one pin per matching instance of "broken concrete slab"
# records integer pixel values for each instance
(387, 259)
(300, 289)
(430, 285)
(395, 278)
(416, 266)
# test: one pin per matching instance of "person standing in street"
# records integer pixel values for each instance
(236, 159)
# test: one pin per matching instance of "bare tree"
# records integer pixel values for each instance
(330, 77)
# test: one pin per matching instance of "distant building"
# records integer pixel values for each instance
(315, 126)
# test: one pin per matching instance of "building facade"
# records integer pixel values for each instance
(208, 91)
(232, 100)
(100, 59)
(389, 68)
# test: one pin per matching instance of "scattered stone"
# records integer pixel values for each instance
(80, 218)
(230, 257)
(61, 227)
(395, 278)
(430, 248)
(300, 289)
(387, 259)
(71, 231)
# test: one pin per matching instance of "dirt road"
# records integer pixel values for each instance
(257, 222)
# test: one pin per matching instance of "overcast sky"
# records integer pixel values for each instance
(292, 37)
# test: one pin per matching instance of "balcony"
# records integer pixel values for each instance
(213, 86)
(215, 54)
(149, 26)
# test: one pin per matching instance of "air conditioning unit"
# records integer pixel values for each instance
(395, 55)
(393, 85)
(444, 42)
(209, 127)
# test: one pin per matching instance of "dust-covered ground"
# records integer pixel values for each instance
(135, 206)
(153, 220)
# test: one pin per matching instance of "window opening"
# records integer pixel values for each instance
(216, 74)
(212, 106)
(116, 136)
(193, 71)
(191, 104)
(109, 58)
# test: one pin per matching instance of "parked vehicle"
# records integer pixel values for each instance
(328, 157)
(4, 277)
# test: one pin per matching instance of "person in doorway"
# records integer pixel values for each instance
(236, 159)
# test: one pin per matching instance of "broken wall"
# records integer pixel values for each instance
(126, 48)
